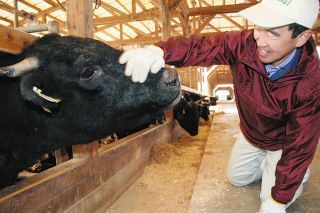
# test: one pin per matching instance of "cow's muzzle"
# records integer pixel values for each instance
(171, 77)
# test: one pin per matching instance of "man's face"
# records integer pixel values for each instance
(274, 45)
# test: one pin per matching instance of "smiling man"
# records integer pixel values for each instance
(276, 76)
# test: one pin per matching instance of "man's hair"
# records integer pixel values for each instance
(296, 29)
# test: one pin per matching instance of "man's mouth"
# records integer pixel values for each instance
(263, 53)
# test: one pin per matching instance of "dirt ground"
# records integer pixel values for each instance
(166, 185)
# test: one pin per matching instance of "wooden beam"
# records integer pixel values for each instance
(141, 5)
(215, 28)
(13, 41)
(136, 30)
(165, 19)
(123, 33)
(45, 12)
(134, 9)
(147, 40)
(112, 10)
(10, 22)
(8, 8)
(51, 2)
(29, 5)
(184, 17)
(232, 21)
(174, 4)
(150, 14)
(205, 23)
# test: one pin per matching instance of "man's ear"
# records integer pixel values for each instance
(303, 37)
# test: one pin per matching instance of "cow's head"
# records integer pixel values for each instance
(80, 79)
(187, 115)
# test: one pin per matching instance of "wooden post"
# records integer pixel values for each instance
(165, 19)
(86, 150)
(184, 17)
(80, 18)
(61, 155)
(53, 26)
(80, 23)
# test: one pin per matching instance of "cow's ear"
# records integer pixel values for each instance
(30, 89)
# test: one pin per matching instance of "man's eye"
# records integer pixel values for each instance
(87, 73)
(273, 35)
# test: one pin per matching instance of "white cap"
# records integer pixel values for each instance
(278, 13)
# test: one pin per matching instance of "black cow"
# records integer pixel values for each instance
(202, 103)
(187, 115)
(189, 110)
(70, 90)
(203, 107)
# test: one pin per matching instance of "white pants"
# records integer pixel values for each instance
(244, 167)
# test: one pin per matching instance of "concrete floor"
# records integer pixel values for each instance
(212, 192)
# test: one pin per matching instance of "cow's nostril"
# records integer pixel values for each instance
(171, 77)
(172, 83)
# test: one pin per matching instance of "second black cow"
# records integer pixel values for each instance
(189, 110)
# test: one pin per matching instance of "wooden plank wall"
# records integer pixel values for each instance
(88, 185)
(190, 77)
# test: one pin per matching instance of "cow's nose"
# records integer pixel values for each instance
(171, 77)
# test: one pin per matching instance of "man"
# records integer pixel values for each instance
(276, 76)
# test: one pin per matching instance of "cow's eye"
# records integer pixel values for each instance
(87, 73)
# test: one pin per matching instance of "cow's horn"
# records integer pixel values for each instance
(20, 68)
(48, 98)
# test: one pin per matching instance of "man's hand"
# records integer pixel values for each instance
(272, 206)
(141, 60)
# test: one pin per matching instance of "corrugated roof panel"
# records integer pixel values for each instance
(103, 36)
(4, 23)
(115, 4)
(150, 25)
(218, 2)
(6, 14)
(60, 14)
(26, 8)
(101, 12)
(129, 31)
(42, 5)
(139, 26)
(147, 4)
(138, 9)
(114, 32)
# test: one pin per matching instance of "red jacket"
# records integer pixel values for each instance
(282, 114)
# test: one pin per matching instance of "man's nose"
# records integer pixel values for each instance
(261, 39)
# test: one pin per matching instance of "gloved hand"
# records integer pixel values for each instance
(272, 206)
(141, 60)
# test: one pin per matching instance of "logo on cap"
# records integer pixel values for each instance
(285, 2)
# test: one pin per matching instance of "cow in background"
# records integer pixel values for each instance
(189, 110)
(187, 115)
(70, 90)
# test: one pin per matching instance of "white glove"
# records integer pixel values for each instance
(272, 206)
(141, 60)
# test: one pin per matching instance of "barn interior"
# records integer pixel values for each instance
(122, 175)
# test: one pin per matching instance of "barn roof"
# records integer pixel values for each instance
(135, 22)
